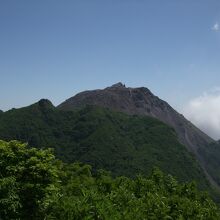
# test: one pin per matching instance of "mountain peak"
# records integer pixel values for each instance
(45, 103)
(140, 101)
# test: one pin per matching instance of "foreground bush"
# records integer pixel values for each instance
(27, 177)
(34, 185)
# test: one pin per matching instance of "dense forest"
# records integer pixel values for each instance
(35, 185)
(123, 144)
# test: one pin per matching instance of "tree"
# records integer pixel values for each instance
(27, 178)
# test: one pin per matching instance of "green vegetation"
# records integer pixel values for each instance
(211, 155)
(34, 185)
(27, 177)
(125, 145)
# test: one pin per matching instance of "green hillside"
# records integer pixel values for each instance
(125, 145)
(211, 155)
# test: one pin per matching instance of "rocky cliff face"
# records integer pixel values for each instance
(141, 101)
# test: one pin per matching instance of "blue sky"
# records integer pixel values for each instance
(54, 49)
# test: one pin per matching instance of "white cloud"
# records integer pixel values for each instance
(204, 112)
(215, 27)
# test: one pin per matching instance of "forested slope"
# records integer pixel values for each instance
(123, 144)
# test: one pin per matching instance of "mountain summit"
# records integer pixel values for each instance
(141, 101)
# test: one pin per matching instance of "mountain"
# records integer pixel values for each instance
(124, 144)
(141, 101)
(117, 129)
